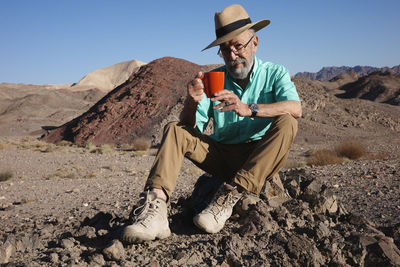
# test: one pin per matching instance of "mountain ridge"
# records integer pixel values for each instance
(328, 73)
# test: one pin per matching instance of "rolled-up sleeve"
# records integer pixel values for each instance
(203, 114)
(284, 87)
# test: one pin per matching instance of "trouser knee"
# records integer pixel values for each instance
(170, 125)
(287, 124)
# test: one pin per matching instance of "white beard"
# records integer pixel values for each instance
(240, 73)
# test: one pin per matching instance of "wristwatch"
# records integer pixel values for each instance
(254, 110)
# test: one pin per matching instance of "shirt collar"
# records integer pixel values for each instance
(256, 65)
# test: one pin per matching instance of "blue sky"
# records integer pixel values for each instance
(47, 41)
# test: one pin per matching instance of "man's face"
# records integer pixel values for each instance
(239, 64)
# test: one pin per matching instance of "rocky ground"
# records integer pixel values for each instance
(66, 206)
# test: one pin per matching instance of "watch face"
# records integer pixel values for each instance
(254, 109)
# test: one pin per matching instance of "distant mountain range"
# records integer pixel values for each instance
(327, 73)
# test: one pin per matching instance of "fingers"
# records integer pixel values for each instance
(229, 102)
(227, 99)
(225, 96)
(195, 88)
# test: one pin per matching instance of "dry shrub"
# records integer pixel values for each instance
(25, 145)
(48, 148)
(91, 147)
(4, 176)
(139, 153)
(39, 145)
(141, 144)
(103, 149)
(106, 148)
(64, 143)
(324, 157)
(350, 149)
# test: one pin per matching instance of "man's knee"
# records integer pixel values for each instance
(170, 125)
(287, 123)
(179, 130)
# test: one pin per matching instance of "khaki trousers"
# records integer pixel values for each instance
(247, 164)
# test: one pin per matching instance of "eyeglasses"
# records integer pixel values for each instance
(237, 49)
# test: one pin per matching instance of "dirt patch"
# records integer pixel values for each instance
(328, 217)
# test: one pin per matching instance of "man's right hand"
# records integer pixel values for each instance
(195, 89)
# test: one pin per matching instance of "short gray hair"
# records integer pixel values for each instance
(252, 31)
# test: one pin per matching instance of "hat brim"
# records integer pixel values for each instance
(255, 26)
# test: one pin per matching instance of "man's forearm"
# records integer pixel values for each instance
(291, 107)
(188, 114)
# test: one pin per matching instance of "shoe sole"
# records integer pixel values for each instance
(204, 228)
(141, 237)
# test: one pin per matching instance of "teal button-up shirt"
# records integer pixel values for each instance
(269, 83)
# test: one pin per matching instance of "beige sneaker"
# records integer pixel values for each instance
(212, 219)
(150, 220)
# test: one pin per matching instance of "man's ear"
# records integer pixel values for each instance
(255, 43)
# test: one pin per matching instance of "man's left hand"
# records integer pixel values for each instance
(230, 101)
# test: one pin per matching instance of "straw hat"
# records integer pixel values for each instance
(231, 22)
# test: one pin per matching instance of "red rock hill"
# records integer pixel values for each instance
(123, 114)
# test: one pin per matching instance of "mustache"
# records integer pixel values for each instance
(237, 61)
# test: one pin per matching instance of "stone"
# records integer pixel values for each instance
(154, 264)
(67, 243)
(330, 203)
(115, 251)
(275, 192)
(28, 243)
(54, 257)
(293, 188)
(87, 232)
(97, 259)
(390, 250)
(244, 203)
(7, 250)
(322, 231)
(6, 206)
(274, 187)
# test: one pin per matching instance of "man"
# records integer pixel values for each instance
(254, 127)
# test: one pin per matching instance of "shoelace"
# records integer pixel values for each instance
(146, 211)
(221, 201)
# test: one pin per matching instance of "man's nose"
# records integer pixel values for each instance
(232, 55)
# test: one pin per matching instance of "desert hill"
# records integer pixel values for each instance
(109, 77)
(24, 108)
(383, 87)
(135, 108)
(328, 73)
